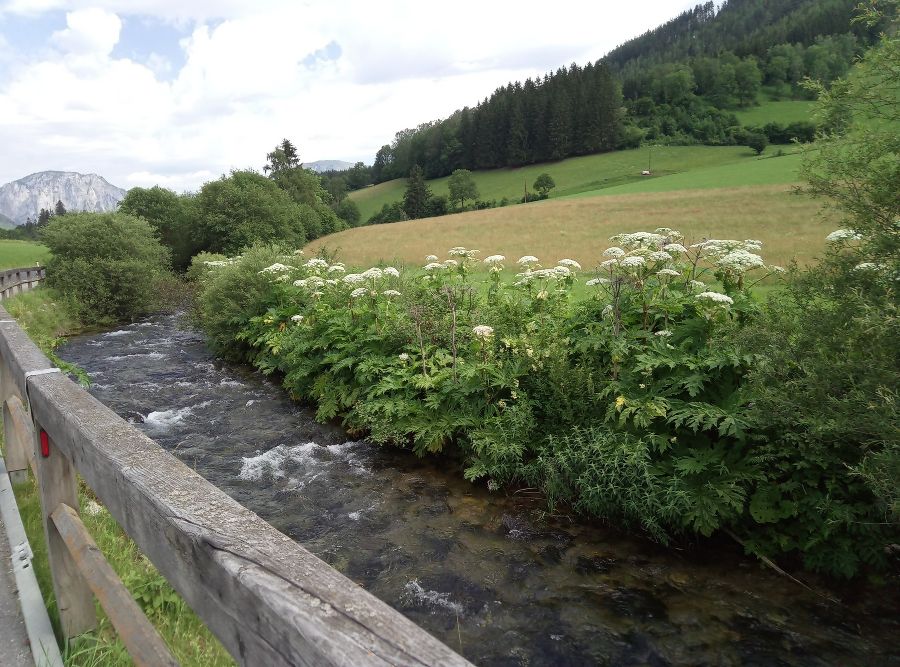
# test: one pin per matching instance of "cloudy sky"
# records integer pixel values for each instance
(178, 92)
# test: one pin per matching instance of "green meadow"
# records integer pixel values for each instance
(574, 175)
(21, 254)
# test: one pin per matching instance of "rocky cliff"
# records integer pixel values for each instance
(25, 197)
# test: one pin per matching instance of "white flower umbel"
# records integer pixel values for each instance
(358, 292)
(639, 240)
(336, 268)
(494, 259)
(353, 278)
(841, 235)
(607, 311)
(597, 281)
(316, 263)
(391, 271)
(431, 258)
(697, 284)
(460, 251)
(434, 266)
(716, 297)
(276, 268)
(664, 333)
(609, 263)
(451, 263)
(390, 293)
(297, 318)
(569, 264)
(527, 260)
(614, 251)
(659, 256)
(866, 266)
(740, 261)
(403, 356)
(668, 272)
(632, 262)
(674, 247)
(372, 274)
(483, 331)
(298, 252)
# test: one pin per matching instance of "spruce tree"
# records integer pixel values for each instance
(415, 199)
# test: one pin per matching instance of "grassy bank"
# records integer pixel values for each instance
(579, 228)
(47, 318)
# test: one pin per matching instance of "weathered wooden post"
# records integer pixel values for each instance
(58, 484)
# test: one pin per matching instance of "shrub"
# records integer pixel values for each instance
(108, 264)
(244, 208)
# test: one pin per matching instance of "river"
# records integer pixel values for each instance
(490, 574)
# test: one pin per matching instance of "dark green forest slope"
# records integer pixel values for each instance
(677, 84)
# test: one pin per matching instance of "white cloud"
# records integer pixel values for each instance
(244, 85)
(91, 32)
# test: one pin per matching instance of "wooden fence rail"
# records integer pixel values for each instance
(268, 600)
(16, 281)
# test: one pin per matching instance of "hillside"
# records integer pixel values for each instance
(26, 196)
(595, 172)
(6, 223)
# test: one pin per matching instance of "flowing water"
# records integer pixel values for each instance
(488, 573)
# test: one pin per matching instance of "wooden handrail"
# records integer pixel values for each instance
(143, 642)
(267, 599)
(15, 281)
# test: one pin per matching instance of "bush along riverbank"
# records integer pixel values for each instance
(635, 404)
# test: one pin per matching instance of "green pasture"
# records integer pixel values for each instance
(784, 112)
(769, 169)
(572, 176)
(21, 254)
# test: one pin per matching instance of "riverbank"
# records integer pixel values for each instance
(491, 574)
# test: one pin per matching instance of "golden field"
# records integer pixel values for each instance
(787, 223)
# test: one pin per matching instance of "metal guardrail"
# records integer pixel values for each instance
(268, 600)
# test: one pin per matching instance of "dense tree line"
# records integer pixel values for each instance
(288, 204)
(677, 83)
(574, 111)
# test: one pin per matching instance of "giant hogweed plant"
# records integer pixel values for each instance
(628, 405)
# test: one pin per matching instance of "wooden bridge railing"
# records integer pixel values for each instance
(15, 281)
(268, 600)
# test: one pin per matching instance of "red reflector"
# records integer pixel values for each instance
(45, 444)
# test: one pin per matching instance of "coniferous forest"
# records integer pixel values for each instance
(676, 84)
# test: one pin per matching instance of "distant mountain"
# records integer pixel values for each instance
(327, 165)
(6, 223)
(25, 197)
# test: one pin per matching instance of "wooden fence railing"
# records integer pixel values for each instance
(268, 600)
(15, 281)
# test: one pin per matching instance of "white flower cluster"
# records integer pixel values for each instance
(529, 276)
(460, 251)
(483, 331)
(316, 263)
(358, 292)
(276, 268)
(716, 298)
(527, 260)
(569, 264)
(494, 259)
(220, 262)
